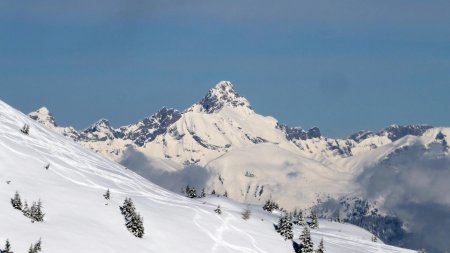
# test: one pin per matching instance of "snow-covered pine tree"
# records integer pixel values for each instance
(190, 192)
(133, 221)
(225, 194)
(107, 194)
(36, 211)
(306, 244)
(37, 246)
(136, 225)
(284, 227)
(16, 202)
(213, 192)
(26, 210)
(218, 210)
(374, 238)
(321, 248)
(25, 129)
(314, 221)
(299, 218)
(7, 248)
(203, 194)
(246, 213)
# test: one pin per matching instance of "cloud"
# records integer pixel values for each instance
(414, 186)
(172, 180)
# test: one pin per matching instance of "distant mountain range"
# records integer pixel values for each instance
(222, 144)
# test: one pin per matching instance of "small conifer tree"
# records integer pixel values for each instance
(246, 213)
(26, 210)
(7, 248)
(25, 129)
(107, 194)
(299, 218)
(133, 220)
(314, 221)
(321, 248)
(36, 211)
(190, 192)
(37, 246)
(284, 227)
(306, 244)
(374, 238)
(203, 194)
(16, 202)
(218, 210)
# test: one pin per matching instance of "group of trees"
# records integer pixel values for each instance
(191, 192)
(34, 212)
(34, 248)
(285, 227)
(270, 205)
(133, 220)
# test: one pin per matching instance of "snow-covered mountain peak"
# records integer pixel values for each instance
(43, 116)
(100, 130)
(99, 125)
(223, 94)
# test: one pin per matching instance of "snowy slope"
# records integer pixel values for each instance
(78, 219)
(222, 144)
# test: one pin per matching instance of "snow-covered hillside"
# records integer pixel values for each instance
(79, 219)
(222, 144)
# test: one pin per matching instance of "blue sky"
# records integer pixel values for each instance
(339, 65)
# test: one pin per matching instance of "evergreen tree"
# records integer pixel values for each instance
(36, 211)
(31, 250)
(299, 218)
(374, 238)
(306, 244)
(314, 221)
(7, 248)
(133, 220)
(136, 225)
(25, 210)
(36, 247)
(16, 202)
(213, 192)
(25, 129)
(218, 210)
(246, 213)
(321, 248)
(203, 194)
(225, 194)
(284, 227)
(107, 195)
(190, 192)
